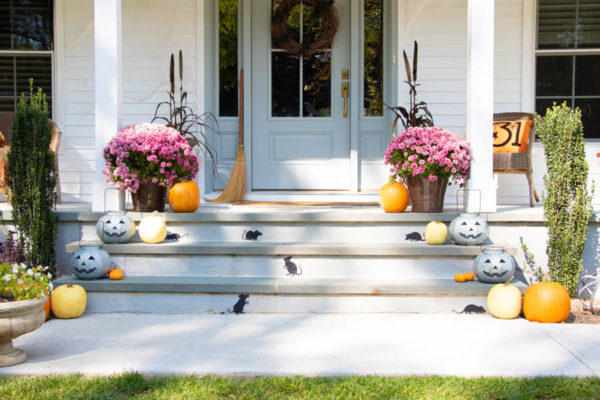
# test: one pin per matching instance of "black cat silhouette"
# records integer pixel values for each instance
(238, 307)
(291, 267)
(414, 237)
(471, 309)
(251, 235)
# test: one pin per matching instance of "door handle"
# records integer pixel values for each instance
(345, 94)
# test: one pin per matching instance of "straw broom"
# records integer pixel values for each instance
(236, 187)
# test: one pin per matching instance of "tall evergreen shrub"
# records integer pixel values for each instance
(567, 202)
(31, 179)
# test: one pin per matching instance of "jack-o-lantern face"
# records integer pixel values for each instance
(90, 262)
(115, 227)
(494, 266)
(468, 229)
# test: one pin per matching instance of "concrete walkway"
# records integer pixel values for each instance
(309, 344)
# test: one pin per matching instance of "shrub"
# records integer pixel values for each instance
(567, 203)
(32, 181)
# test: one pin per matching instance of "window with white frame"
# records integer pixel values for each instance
(568, 58)
(26, 43)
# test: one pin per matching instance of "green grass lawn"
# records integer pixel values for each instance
(136, 386)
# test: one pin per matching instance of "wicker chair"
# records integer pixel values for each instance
(517, 163)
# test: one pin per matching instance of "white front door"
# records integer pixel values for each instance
(300, 118)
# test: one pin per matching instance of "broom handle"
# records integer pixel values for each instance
(241, 110)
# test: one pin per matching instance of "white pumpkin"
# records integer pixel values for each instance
(153, 228)
(468, 229)
(436, 232)
(115, 227)
(90, 262)
(504, 301)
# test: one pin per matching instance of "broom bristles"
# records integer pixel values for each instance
(236, 187)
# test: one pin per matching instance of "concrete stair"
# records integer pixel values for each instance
(350, 259)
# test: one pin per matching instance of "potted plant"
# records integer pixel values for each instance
(23, 298)
(427, 158)
(146, 159)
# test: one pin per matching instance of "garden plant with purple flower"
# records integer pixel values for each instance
(428, 152)
(148, 153)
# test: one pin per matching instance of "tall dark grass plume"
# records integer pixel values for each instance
(179, 115)
(417, 114)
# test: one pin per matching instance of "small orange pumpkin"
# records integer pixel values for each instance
(467, 276)
(116, 274)
(393, 197)
(184, 197)
(47, 306)
(546, 302)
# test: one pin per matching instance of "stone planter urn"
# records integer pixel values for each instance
(18, 318)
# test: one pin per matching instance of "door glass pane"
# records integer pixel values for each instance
(373, 58)
(285, 93)
(228, 58)
(587, 76)
(317, 85)
(292, 25)
(299, 82)
(553, 76)
(590, 116)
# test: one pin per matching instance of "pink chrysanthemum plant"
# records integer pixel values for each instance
(428, 152)
(147, 153)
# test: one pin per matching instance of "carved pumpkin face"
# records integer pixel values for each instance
(494, 266)
(90, 262)
(468, 229)
(115, 227)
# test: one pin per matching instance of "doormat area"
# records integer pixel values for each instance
(306, 203)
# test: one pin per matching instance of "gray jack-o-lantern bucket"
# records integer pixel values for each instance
(90, 262)
(468, 229)
(115, 227)
(494, 265)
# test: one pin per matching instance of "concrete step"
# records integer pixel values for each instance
(311, 260)
(182, 294)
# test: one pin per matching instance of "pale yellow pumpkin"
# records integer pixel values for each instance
(68, 301)
(504, 301)
(153, 228)
(436, 232)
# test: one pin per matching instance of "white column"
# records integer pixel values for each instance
(107, 64)
(480, 105)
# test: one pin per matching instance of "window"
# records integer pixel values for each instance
(26, 42)
(568, 58)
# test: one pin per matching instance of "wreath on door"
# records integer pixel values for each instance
(323, 39)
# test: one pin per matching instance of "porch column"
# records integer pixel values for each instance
(107, 64)
(480, 105)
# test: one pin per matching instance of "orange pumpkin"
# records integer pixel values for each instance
(184, 197)
(546, 302)
(460, 278)
(116, 274)
(47, 307)
(393, 197)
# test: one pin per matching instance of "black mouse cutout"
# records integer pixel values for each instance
(238, 307)
(174, 237)
(291, 267)
(414, 237)
(471, 309)
(251, 235)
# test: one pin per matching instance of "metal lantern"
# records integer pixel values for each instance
(494, 265)
(468, 229)
(115, 227)
(90, 262)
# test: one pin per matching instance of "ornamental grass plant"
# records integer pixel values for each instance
(428, 152)
(147, 153)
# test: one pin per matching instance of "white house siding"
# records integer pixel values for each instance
(152, 30)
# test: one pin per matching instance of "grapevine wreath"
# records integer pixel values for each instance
(324, 38)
